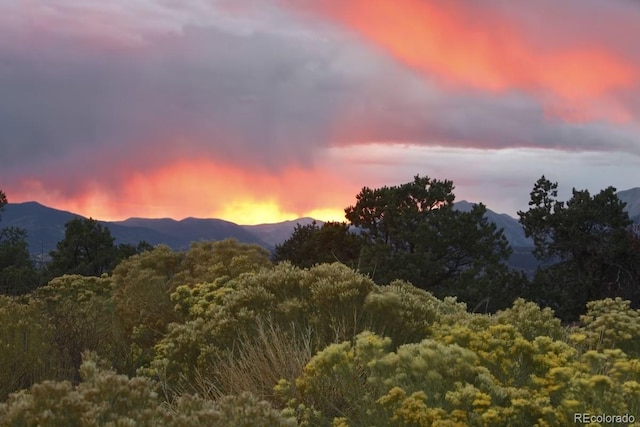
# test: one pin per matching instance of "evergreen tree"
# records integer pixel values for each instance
(412, 232)
(87, 248)
(312, 244)
(587, 245)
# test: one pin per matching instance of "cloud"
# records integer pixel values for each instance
(255, 98)
(105, 101)
(498, 47)
(483, 45)
(203, 188)
(500, 178)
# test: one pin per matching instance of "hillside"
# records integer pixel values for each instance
(274, 234)
(512, 229)
(45, 227)
(632, 198)
(180, 234)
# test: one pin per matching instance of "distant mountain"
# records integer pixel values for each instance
(512, 229)
(45, 228)
(180, 234)
(522, 256)
(275, 234)
(632, 198)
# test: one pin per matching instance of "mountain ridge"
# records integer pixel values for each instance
(632, 198)
(45, 226)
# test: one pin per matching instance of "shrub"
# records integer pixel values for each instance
(106, 398)
(83, 316)
(612, 323)
(28, 354)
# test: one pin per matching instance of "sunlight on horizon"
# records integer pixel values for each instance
(239, 212)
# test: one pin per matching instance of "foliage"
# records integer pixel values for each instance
(25, 341)
(328, 299)
(141, 299)
(406, 313)
(413, 233)
(612, 324)
(144, 284)
(312, 244)
(17, 272)
(531, 321)
(258, 362)
(588, 245)
(391, 214)
(303, 310)
(207, 261)
(3, 201)
(242, 342)
(126, 250)
(363, 383)
(492, 376)
(87, 249)
(106, 398)
(82, 314)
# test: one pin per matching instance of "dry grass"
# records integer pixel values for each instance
(258, 362)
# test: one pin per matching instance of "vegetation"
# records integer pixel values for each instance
(89, 249)
(17, 271)
(589, 245)
(18, 274)
(222, 335)
(312, 244)
(279, 345)
(3, 201)
(414, 233)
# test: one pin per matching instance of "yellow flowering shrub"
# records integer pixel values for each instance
(219, 336)
(531, 321)
(82, 313)
(363, 383)
(612, 323)
(104, 398)
(27, 348)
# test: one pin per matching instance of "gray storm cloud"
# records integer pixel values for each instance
(258, 90)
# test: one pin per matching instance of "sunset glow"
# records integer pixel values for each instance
(203, 189)
(259, 112)
(468, 45)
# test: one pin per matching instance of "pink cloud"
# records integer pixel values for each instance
(486, 46)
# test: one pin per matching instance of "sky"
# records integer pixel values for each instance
(259, 111)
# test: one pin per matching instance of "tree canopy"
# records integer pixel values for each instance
(588, 245)
(313, 244)
(17, 272)
(89, 249)
(413, 232)
(3, 201)
(391, 215)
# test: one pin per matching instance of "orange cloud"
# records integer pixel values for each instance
(205, 189)
(466, 45)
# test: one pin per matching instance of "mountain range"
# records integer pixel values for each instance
(45, 228)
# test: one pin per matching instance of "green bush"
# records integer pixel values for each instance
(83, 316)
(104, 398)
(27, 350)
